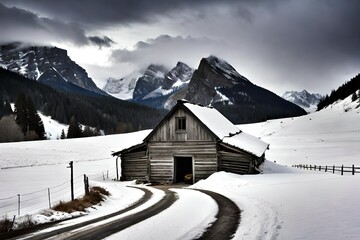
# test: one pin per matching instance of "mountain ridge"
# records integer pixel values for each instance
(49, 65)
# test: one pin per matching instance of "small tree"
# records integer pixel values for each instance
(27, 118)
(354, 97)
(74, 130)
(62, 136)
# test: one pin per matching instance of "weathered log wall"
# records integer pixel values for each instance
(134, 166)
(161, 158)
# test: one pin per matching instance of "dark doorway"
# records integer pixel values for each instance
(183, 169)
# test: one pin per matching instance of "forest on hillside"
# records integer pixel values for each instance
(103, 112)
(341, 93)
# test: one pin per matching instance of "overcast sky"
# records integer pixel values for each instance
(277, 44)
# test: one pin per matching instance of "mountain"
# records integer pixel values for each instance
(216, 83)
(160, 88)
(103, 112)
(49, 65)
(303, 99)
(122, 88)
(151, 80)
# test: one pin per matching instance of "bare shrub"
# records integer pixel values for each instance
(5, 225)
(9, 130)
(95, 196)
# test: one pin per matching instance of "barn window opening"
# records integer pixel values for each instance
(180, 124)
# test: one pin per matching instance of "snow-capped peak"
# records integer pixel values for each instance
(228, 70)
(122, 88)
(303, 99)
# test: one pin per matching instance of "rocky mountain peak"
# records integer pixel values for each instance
(221, 66)
(181, 73)
(152, 79)
(49, 65)
(210, 79)
(303, 98)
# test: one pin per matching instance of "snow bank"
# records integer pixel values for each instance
(291, 206)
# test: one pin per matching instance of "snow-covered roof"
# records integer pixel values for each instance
(214, 120)
(248, 143)
(227, 131)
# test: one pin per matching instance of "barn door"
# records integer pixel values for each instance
(183, 170)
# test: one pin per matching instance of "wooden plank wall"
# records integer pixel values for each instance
(195, 131)
(161, 159)
(134, 166)
(239, 163)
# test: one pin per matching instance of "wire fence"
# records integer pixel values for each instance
(42, 199)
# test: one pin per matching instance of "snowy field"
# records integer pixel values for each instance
(282, 203)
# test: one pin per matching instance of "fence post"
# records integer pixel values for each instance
(319, 167)
(310, 167)
(315, 167)
(86, 184)
(326, 168)
(71, 166)
(342, 169)
(49, 197)
(107, 174)
(353, 169)
(19, 204)
(333, 168)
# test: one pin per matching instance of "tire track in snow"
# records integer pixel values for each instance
(264, 223)
(147, 195)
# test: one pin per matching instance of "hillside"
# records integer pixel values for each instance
(102, 112)
(329, 136)
(341, 92)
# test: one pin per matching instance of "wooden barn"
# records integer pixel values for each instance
(192, 141)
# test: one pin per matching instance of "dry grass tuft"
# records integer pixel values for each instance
(5, 225)
(95, 196)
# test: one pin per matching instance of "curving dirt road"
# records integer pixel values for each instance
(225, 226)
(227, 218)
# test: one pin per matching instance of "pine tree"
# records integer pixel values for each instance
(62, 134)
(28, 119)
(354, 97)
(35, 122)
(21, 115)
(74, 130)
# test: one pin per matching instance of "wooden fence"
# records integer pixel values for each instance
(332, 168)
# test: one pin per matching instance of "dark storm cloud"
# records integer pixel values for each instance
(21, 25)
(100, 12)
(101, 41)
(24, 26)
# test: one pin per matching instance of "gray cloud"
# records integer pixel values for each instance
(24, 26)
(101, 41)
(21, 25)
(167, 50)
